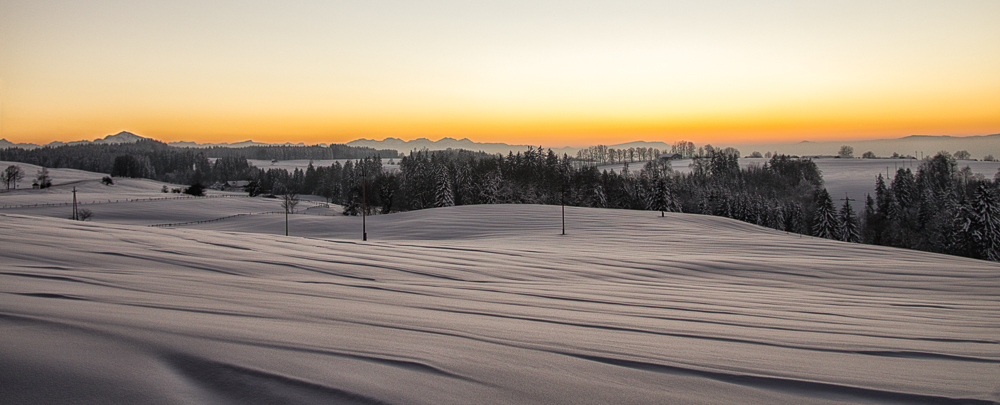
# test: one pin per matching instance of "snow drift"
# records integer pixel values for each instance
(486, 304)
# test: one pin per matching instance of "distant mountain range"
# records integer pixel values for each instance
(121, 137)
(913, 145)
(128, 137)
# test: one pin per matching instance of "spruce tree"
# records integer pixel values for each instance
(961, 242)
(490, 193)
(825, 222)
(661, 200)
(871, 225)
(795, 218)
(848, 224)
(443, 195)
(985, 225)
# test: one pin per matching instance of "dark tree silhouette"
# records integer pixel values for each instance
(11, 175)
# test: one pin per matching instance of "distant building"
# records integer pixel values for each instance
(671, 156)
(237, 185)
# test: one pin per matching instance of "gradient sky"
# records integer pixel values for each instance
(550, 73)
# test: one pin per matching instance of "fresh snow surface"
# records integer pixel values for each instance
(89, 189)
(478, 304)
(303, 164)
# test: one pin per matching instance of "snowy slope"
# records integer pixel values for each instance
(485, 304)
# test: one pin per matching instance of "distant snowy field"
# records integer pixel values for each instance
(302, 164)
(853, 178)
(483, 304)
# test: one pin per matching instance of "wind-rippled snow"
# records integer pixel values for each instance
(483, 304)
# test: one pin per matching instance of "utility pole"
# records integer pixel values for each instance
(364, 201)
(75, 215)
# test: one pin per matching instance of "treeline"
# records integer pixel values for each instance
(937, 209)
(156, 160)
(603, 154)
(781, 194)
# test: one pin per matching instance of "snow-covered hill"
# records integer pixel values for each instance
(480, 304)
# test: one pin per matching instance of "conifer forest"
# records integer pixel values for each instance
(937, 208)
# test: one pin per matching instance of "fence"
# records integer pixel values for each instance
(213, 220)
(121, 201)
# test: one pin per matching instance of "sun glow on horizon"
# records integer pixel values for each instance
(519, 73)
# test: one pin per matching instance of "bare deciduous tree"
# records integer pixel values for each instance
(12, 175)
(288, 202)
(846, 151)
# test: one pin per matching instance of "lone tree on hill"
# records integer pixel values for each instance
(846, 151)
(661, 196)
(12, 175)
(43, 179)
(288, 202)
(84, 214)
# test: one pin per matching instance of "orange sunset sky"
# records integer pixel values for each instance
(542, 72)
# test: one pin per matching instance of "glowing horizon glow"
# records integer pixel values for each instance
(543, 73)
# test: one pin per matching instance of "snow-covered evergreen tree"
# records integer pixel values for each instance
(661, 200)
(353, 204)
(599, 199)
(960, 242)
(795, 218)
(490, 192)
(984, 227)
(776, 218)
(443, 194)
(904, 186)
(848, 224)
(825, 223)
(871, 224)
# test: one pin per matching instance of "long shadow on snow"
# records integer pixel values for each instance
(242, 385)
(810, 388)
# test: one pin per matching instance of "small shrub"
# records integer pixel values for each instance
(107, 181)
(84, 214)
(165, 189)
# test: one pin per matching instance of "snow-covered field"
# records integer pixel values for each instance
(302, 164)
(477, 304)
(852, 178)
